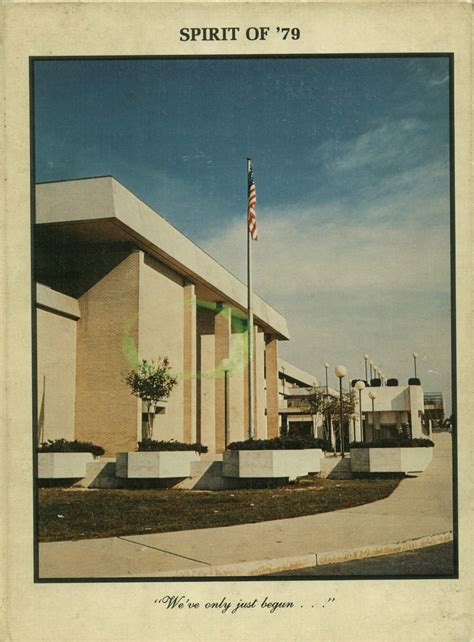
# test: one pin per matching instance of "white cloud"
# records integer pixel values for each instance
(392, 142)
(434, 82)
(425, 73)
(351, 281)
(323, 250)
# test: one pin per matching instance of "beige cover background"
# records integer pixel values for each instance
(363, 610)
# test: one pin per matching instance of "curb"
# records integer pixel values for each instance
(377, 550)
(267, 566)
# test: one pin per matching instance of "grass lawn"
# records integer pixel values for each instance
(65, 514)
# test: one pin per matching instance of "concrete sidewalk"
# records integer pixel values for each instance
(418, 513)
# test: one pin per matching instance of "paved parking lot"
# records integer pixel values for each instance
(435, 560)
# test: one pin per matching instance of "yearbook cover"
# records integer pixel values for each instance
(237, 295)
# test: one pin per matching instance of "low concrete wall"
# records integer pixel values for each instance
(207, 475)
(414, 460)
(100, 474)
(271, 463)
(146, 465)
(63, 465)
(390, 460)
(335, 467)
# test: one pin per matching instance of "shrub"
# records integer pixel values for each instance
(399, 442)
(280, 443)
(151, 445)
(65, 446)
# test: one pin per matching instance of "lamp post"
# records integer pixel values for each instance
(366, 356)
(313, 417)
(372, 395)
(371, 372)
(341, 372)
(360, 385)
(226, 365)
(349, 393)
(327, 418)
(414, 355)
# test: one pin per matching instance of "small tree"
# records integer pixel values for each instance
(319, 404)
(151, 382)
(322, 404)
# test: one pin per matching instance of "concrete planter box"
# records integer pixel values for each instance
(63, 465)
(271, 463)
(390, 460)
(160, 464)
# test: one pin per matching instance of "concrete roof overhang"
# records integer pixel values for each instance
(103, 210)
(296, 374)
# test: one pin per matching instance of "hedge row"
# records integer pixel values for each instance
(280, 443)
(147, 445)
(399, 442)
(150, 445)
(65, 446)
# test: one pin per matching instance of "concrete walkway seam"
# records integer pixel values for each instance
(263, 567)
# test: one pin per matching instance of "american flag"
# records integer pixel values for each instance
(252, 193)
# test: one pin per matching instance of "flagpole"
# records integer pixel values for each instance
(249, 323)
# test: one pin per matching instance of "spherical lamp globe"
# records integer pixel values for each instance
(341, 371)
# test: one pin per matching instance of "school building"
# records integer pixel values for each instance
(117, 283)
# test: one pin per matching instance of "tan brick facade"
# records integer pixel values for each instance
(107, 335)
(142, 309)
(161, 334)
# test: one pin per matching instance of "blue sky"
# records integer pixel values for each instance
(351, 162)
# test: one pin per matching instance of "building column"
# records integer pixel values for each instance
(357, 424)
(398, 419)
(205, 384)
(416, 411)
(271, 363)
(189, 364)
(106, 413)
(237, 384)
(222, 331)
(259, 384)
(332, 434)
